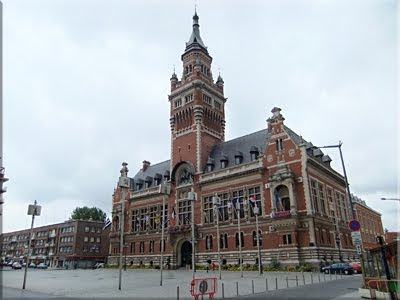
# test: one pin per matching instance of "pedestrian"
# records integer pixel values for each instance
(207, 266)
(213, 267)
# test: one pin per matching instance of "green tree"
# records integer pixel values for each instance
(86, 213)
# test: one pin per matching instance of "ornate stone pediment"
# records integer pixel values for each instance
(282, 173)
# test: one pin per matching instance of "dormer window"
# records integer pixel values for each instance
(139, 184)
(210, 164)
(279, 145)
(157, 179)
(147, 182)
(253, 153)
(166, 176)
(224, 161)
(238, 157)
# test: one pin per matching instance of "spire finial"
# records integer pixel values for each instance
(174, 68)
(195, 7)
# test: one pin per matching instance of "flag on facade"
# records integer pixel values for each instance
(253, 200)
(157, 220)
(276, 199)
(205, 217)
(107, 223)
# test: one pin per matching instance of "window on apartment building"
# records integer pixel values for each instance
(97, 240)
(321, 195)
(224, 164)
(287, 239)
(98, 230)
(241, 239)
(93, 229)
(209, 242)
(314, 195)
(340, 202)
(255, 238)
(238, 197)
(254, 194)
(331, 203)
(143, 218)
(92, 239)
(328, 236)
(87, 229)
(184, 212)
(86, 239)
(85, 248)
(279, 145)
(321, 236)
(208, 210)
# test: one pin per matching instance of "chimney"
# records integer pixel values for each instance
(146, 164)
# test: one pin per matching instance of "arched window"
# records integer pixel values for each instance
(282, 198)
(241, 238)
(209, 244)
(255, 238)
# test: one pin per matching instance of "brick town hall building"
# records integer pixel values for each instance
(303, 202)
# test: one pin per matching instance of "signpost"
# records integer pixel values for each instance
(356, 237)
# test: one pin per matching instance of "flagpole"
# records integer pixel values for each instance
(162, 240)
(240, 239)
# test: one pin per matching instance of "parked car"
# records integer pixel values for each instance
(99, 265)
(10, 263)
(339, 268)
(356, 266)
(42, 266)
(16, 265)
(32, 265)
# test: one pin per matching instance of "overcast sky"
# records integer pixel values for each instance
(86, 85)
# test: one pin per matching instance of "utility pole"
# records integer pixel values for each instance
(123, 183)
(217, 203)
(33, 210)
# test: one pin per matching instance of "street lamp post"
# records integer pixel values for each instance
(237, 209)
(123, 183)
(33, 210)
(217, 203)
(164, 190)
(256, 211)
(192, 197)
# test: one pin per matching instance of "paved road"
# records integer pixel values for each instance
(143, 284)
(338, 289)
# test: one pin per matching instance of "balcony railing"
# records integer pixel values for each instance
(281, 215)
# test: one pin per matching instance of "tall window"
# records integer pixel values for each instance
(135, 222)
(237, 197)
(287, 239)
(209, 242)
(331, 203)
(279, 145)
(184, 212)
(223, 208)
(254, 193)
(223, 241)
(151, 247)
(152, 217)
(141, 247)
(321, 194)
(208, 210)
(241, 239)
(133, 248)
(255, 238)
(162, 245)
(143, 218)
(314, 194)
(160, 216)
(284, 199)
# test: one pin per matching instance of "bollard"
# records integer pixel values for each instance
(237, 288)
(297, 281)
(287, 282)
(336, 274)
(330, 274)
(266, 284)
(177, 292)
(223, 292)
(276, 283)
(252, 286)
(304, 279)
(312, 280)
(319, 278)
(341, 275)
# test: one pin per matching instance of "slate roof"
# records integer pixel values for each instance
(152, 171)
(243, 144)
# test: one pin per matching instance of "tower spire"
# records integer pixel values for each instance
(195, 41)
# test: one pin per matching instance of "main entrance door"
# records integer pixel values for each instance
(186, 254)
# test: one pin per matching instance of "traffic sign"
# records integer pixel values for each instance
(358, 248)
(356, 237)
(354, 225)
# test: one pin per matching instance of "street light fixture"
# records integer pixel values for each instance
(33, 210)
(395, 199)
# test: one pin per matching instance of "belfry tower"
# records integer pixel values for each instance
(197, 105)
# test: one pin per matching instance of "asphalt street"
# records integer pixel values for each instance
(338, 289)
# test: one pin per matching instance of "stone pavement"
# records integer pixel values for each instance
(145, 284)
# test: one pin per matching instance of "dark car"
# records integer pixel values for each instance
(339, 268)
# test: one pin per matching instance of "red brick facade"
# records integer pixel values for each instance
(303, 202)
